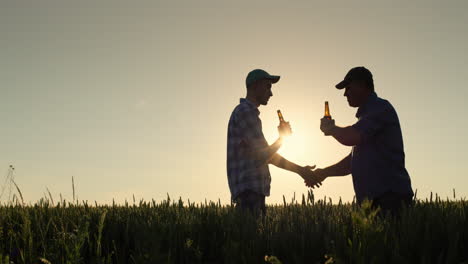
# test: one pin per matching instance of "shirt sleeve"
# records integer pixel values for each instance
(252, 135)
(372, 123)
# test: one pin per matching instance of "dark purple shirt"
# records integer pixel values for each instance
(378, 162)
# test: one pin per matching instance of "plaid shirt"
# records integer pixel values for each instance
(248, 152)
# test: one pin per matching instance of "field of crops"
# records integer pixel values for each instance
(304, 231)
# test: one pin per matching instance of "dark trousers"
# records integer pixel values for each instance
(251, 201)
(392, 203)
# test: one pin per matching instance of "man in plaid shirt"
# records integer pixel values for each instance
(248, 152)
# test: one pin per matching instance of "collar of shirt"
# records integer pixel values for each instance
(363, 108)
(250, 104)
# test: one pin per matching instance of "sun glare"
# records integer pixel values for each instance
(295, 147)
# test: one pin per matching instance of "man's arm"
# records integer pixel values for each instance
(265, 152)
(341, 168)
(254, 139)
(365, 128)
(305, 172)
(280, 162)
(348, 136)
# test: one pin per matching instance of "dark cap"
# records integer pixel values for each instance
(357, 73)
(259, 74)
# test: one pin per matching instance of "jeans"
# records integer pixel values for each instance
(391, 202)
(251, 201)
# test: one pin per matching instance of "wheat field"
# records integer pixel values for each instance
(304, 231)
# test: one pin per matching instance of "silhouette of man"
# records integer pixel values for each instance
(248, 152)
(377, 160)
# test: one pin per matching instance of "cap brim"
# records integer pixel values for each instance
(342, 84)
(274, 78)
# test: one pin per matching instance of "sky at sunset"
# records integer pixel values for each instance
(134, 97)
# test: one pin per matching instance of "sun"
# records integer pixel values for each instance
(295, 147)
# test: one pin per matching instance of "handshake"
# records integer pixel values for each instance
(312, 178)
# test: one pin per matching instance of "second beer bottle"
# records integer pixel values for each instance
(327, 111)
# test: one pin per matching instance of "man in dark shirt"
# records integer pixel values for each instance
(377, 160)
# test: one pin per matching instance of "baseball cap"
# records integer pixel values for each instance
(356, 73)
(259, 74)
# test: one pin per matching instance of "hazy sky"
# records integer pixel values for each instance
(134, 97)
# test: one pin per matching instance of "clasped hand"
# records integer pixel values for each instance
(310, 178)
(284, 129)
(327, 125)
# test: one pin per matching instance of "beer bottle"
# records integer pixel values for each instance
(280, 116)
(283, 124)
(327, 111)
